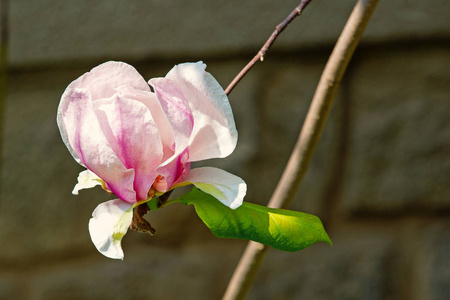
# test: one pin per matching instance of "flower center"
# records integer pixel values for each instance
(160, 184)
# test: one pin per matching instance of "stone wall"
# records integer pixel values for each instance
(379, 179)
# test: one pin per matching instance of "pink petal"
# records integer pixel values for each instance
(174, 170)
(151, 102)
(133, 135)
(214, 134)
(102, 80)
(83, 136)
(177, 111)
(225, 187)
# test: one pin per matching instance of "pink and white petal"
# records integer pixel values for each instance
(109, 223)
(173, 171)
(102, 80)
(151, 102)
(86, 180)
(214, 134)
(177, 111)
(84, 137)
(225, 187)
(68, 114)
(133, 135)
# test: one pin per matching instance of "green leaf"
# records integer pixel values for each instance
(282, 229)
(153, 204)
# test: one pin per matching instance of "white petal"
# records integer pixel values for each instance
(109, 223)
(225, 187)
(214, 134)
(86, 180)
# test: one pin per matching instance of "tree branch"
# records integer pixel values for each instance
(260, 55)
(306, 144)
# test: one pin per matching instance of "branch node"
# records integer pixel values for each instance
(261, 56)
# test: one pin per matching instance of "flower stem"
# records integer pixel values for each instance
(164, 198)
(260, 55)
(138, 222)
(307, 141)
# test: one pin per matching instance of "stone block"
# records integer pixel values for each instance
(437, 242)
(356, 267)
(53, 32)
(399, 152)
(422, 261)
(11, 287)
(146, 273)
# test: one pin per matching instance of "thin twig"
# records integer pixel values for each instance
(260, 55)
(306, 144)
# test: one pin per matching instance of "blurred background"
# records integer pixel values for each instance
(380, 178)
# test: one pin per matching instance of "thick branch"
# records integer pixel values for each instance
(260, 55)
(307, 141)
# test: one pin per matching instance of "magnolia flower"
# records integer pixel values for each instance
(136, 143)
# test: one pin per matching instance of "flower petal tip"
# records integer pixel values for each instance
(109, 223)
(86, 180)
(242, 191)
(225, 187)
(104, 246)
